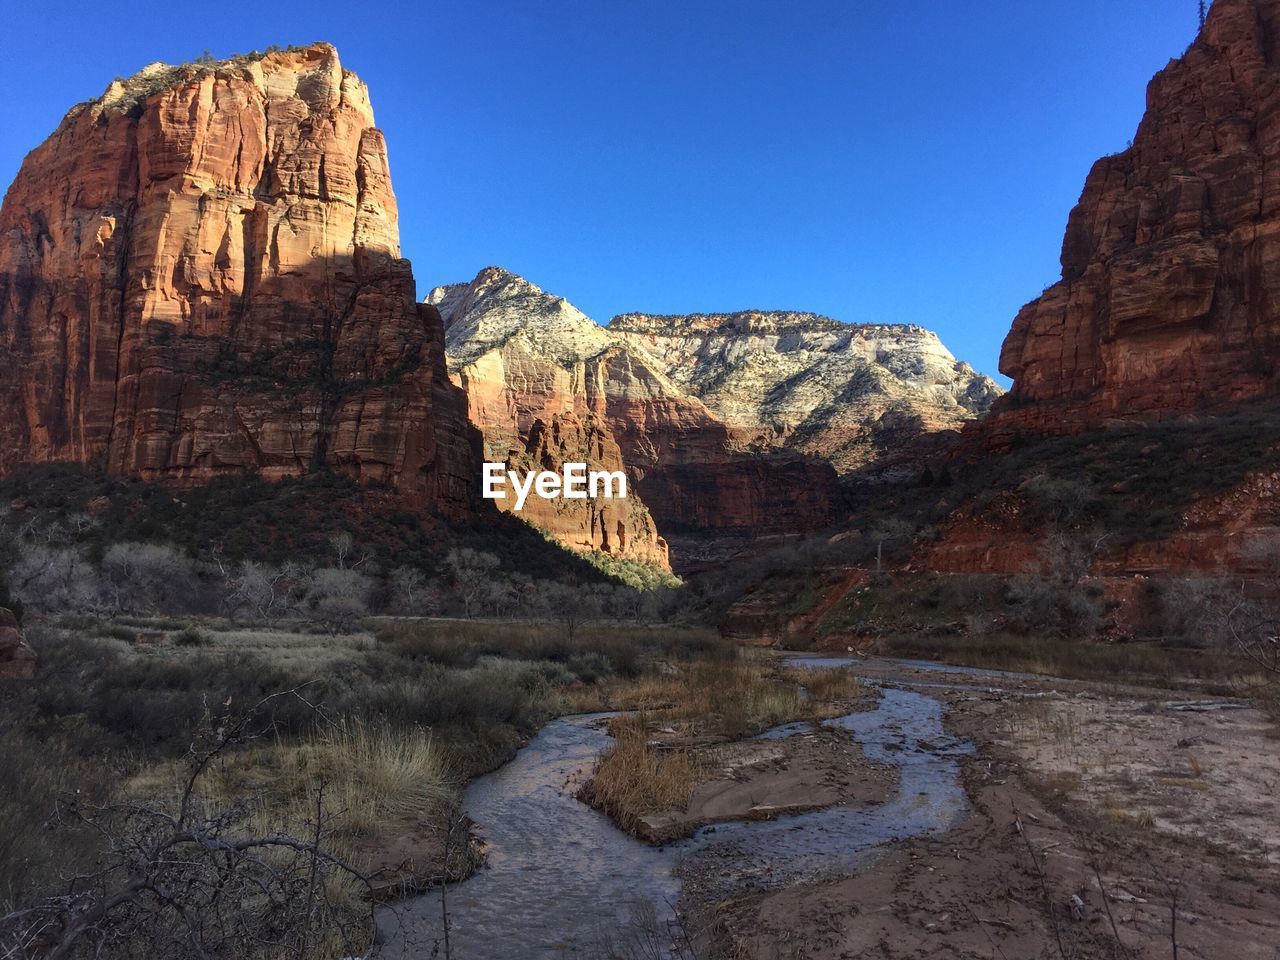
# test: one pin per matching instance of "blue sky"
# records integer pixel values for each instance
(906, 162)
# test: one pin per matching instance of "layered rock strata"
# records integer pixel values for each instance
(534, 367)
(846, 393)
(200, 275)
(1170, 293)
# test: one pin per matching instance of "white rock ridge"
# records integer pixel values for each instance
(836, 390)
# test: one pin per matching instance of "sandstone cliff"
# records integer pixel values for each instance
(1171, 263)
(847, 393)
(200, 274)
(534, 367)
(522, 357)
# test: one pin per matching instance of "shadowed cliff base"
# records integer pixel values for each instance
(262, 383)
(242, 518)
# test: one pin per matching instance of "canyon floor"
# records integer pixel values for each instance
(1103, 820)
(759, 803)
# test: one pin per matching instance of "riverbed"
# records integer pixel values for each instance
(561, 881)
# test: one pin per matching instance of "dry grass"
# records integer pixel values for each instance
(636, 776)
(1215, 672)
(1141, 820)
(372, 781)
(367, 784)
(826, 685)
(294, 651)
(602, 648)
(707, 701)
(724, 699)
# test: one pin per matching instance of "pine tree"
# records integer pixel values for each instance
(1202, 14)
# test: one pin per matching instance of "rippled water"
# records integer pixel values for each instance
(560, 876)
(905, 731)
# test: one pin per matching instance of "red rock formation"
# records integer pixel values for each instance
(690, 466)
(1170, 290)
(200, 274)
(17, 660)
(620, 527)
(548, 385)
(1235, 533)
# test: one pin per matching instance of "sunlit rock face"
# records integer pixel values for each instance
(200, 274)
(1171, 260)
(846, 393)
(547, 384)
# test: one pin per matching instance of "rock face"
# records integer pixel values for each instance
(1170, 292)
(547, 384)
(17, 660)
(200, 275)
(846, 393)
(522, 357)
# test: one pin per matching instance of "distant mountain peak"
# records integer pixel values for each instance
(811, 382)
(499, 306)
(777, 378)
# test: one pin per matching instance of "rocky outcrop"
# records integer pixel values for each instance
(522, 358)
(847, 393)
(1170, 292)
(535, 369)
(200, 274)
(17, 660)
(1229, 534)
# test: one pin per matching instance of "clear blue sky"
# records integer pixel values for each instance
(908, 161)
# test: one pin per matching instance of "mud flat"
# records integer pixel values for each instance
(794, 769)
(1102, 821)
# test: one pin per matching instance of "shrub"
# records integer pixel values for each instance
(146, 577)
(635, 777)
(37, 774)
(191, 637)
(336, 598)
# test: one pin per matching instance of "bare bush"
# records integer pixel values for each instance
(52, 579)
(262, 590)
(1060, 500)
(1055, 600)
(572, 605)
(335, 597)
(146, 577)
(473, 575)
(407, 588)
(176, 879)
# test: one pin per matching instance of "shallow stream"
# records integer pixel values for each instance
(561, 880)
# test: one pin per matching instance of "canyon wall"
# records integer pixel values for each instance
(200, 275)
(1165, 326)
(1169, 300)
(547, 385)
(845, 393)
